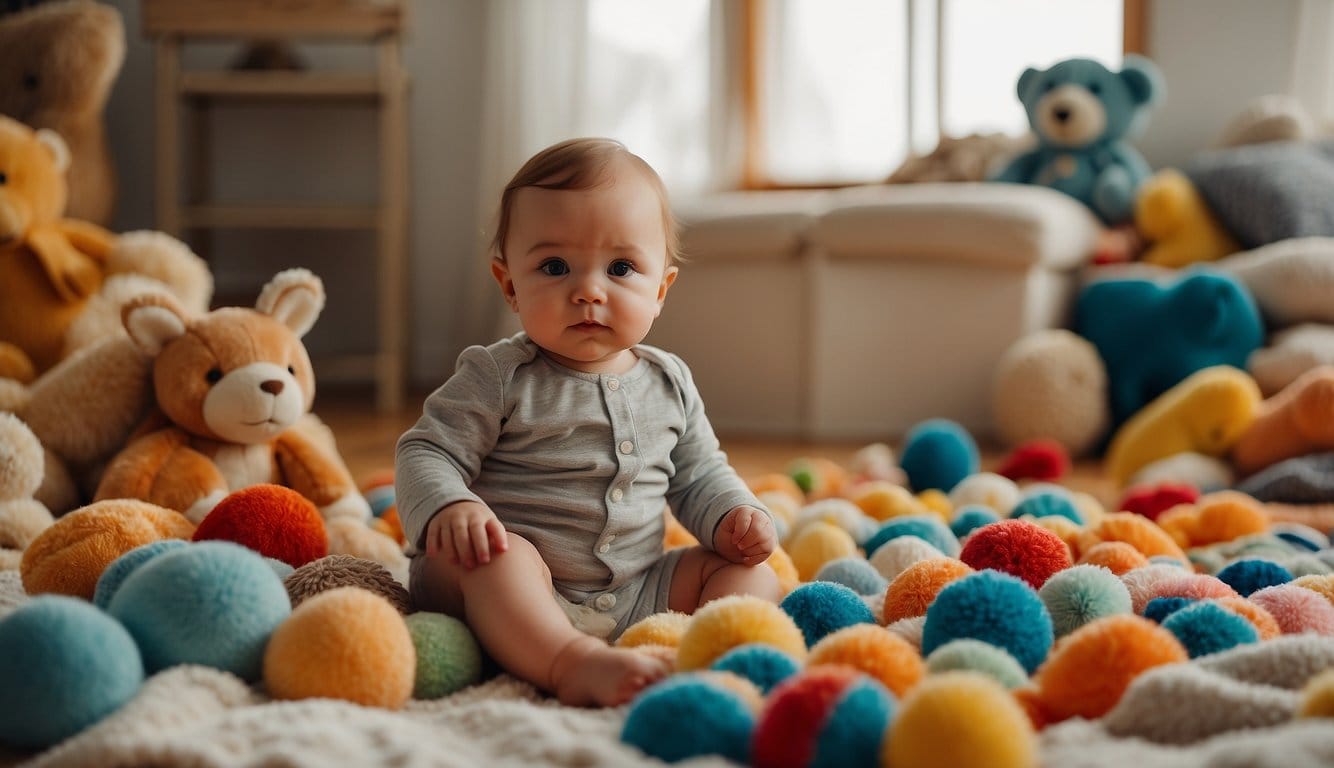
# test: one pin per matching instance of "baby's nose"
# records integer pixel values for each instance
(590, 291)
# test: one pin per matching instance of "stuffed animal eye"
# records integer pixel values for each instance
(291, 370)
(214, 375)
(3, 177)
(29, 81)
(1095, 88)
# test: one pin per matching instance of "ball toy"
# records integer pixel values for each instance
(1194, 585)
(927, 528)
(1318, 696)
(1143, 582)
(448, 657)
(280, 569)
(784, 569)
(1296, 609)
(64, 665)
(938, 453)
(977, 656)
(986, 489)
(936, 502)
(897, 554)
(115, 573)
(777, 482)
(783, 507)
(1188, 468)
(69, 557)
(335, 571)
(1207, 627)
(1065, 530)
(821, 607)
(212, 603)
(995, 608)
(816, 477)
(1081, 594)
(1152, 500)
(916, 588)
(1247, 576)
(816, 544)
(273, 520)
(1040, 459)
(346, 644)
(881, 500)
(664, 628)
(1264, 623)
(1019, 548)
(1048, 504)
(971, 517)
(1228, 515)
(1134, 530)
(1159, 608)
(1116, 556)
(960, 719)
(1299, 535)
(875, 462)
(1304, 564)
(1092, 667)
(1181, 523)
(873, 650)
(909, 629)
(855, 573)
(825, 716)
(378, 488)
(761, 664)
(1052, 384)
(1322, 584)
(838, 512)
(727, 622)
(691, 715)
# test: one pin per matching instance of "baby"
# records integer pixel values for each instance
(532, 489)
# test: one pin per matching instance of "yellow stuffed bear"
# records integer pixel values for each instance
(1172, 215)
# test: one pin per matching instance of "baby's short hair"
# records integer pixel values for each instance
(579, 164)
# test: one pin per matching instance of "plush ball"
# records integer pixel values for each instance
(378, 489)
(120, 568)
(1247, 576)
(1019, 548)
(1040, 459)
(448, 657)
(1188, 468)
(693, 715)
(1158, 609)
(957, 719)
(816, 544)
(1081, 594)
(336, 571)
(1196, 586)
(1046, 505)
(761, 664)
(727, 622)
(986, 489)
(1296, 609)
(664, 628)
(1318, 583)
(825, 716)
(213, 603)
(784, 569)
(896, 555)
(938, 453)
(1143, 582)
(883, 500)
(838, 512)
(927, 528)
(916, 588)
(816, 477)
(1300, 536)
(273, 520)
(1052, 384)
(1265, 625)
(971, 517)
(977, 656)
(1207, 627)
(64, 665)
(1134, 530)
(855, 573)
(1229, 515)
(936, 502)
(821, 607)
(68, 558)
(1152, 500)
(993, 607)
(1116, 556)
(347, 644)
(874, 650)
(1318, 696)
(777, 482)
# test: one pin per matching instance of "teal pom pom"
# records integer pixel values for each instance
(1078, 595)
(688, 716)
(448, 657)
(1247, 576)
(821, 607)
(1159, 608)
(64, 665)
(763, 665)
(120, 568)
(1046, 505)
(212, 603)
(1208, 627)
(938, 453)
(977, 656)
(928, 528)
(995, 608)
(971, 517)
(856, 727)
(855, 573)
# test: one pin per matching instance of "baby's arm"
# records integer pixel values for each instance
(468, 532)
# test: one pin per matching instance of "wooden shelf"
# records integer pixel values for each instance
(286, 86)
(272, 18)
(281, 216)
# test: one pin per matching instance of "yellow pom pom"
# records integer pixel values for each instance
(1318, 582)
(785, 569)
(937, 502)
(874, 650)
(736, 620)
(958, 719)
(817, 544)
(883, 500)
(659, 629)
(1318, 696)
(346, 643)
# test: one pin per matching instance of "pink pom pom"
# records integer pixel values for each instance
(1296, 609)
(1197, 586)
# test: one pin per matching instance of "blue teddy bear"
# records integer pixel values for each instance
(1080, 112)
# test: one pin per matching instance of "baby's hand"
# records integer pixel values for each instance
(745, 536)
(468, 532)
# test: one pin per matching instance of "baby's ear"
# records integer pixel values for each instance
(153, 320)
(501, 272)
(295, 298)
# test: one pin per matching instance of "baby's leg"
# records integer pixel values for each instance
(703, 575)
(508, 604)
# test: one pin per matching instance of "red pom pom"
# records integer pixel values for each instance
(795, 713)
(1153, 500)
(1019, 548)
(1036, 460)
(274, 521)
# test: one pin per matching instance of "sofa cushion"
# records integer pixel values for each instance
(1264, 193)
(1292, 280)
(747, 225)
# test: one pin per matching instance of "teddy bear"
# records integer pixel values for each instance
(22, 518)
(1081, 113)
(58, 62)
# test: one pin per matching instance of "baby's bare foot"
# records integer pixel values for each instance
(596, 674)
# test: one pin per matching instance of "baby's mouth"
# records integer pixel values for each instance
(588, 325)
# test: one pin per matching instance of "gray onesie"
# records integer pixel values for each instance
(579, 464)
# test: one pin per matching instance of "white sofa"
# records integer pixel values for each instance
(857, 313)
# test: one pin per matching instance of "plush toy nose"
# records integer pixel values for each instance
(272, 386)
(1061, 114)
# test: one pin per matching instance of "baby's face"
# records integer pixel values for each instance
(587, 269)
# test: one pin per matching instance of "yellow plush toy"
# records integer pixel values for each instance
(1171, 214)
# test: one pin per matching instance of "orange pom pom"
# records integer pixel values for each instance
(1116, 556)
(875, 651)
(1228, 515)
(777, 482)
(913, 590)
(1135, 530)
(273, 520)
(1265, 623)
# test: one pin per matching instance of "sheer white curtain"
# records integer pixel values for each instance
(1313, 61)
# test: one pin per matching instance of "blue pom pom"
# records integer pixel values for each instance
(280, 569)
(120, 568)
(1247, 576)
(763, 665)
(856, 727)
(64, 665)
(380, 498)
(971, 517)
(995, 608)
(821, 607)
(855, 573)
(1158, 609)
(688, 716)
(1047, 505)
(938, 453)
(213, 603)
(1083, 593)
(1208, 627)
(928, 528)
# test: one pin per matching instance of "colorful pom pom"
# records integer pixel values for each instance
(1039, 459)
(1019, 548)
(821, 607)
(993, 607)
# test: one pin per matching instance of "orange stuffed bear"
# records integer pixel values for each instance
(234, 382)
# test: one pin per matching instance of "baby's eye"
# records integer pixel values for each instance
(620, 268)
(553, 267)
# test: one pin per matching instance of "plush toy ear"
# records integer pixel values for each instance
(1026, 79)
(56, 146)
(153, 320)
(1142, 78)
(294, 297)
